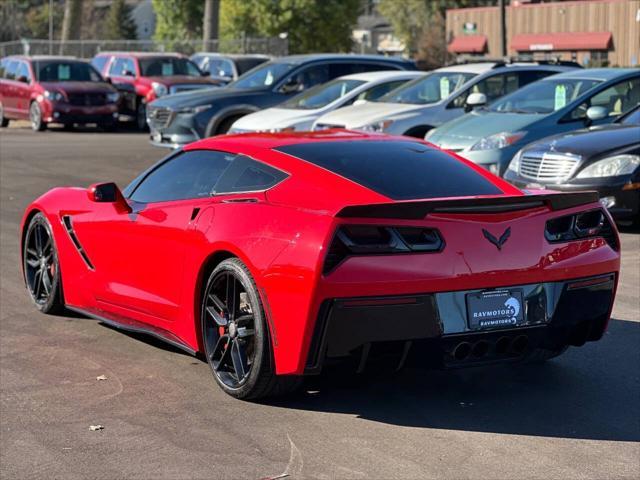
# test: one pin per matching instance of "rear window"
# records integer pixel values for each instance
(397, 169)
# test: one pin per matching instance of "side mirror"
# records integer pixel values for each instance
(22, 79)
(108, 193)
(360, 101)
(128, 73)
(597, 113)
(205, 73)
(475, 100)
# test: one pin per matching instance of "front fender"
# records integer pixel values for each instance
(54, 204)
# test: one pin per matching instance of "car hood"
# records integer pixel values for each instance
(465, 131)
(590, 141)
(357, 115)
(206, 96)
(274, 118)
(79, 87)
(184, 79)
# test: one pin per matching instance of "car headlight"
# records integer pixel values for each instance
(194, 110)
(376, 126)
(113, 97)
(53, 95)
(611, 167)
(514, 164)
(499, 140)
(159, 89)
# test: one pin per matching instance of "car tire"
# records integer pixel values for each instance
(216, 127)
(141, 115)
(110, 127)
(35, 117)
(235, 335)
(4, 121)
(41, 266)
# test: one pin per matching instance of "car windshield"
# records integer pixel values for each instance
(631, 118)
(321, 95)
(168, 66)
(430, 89)
(544, 97)
(220, 67)
(264, 75)
(61, 71)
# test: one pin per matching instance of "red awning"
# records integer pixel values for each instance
(468, 44)
(530, 42)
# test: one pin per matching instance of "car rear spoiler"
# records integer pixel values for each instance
(420, 209)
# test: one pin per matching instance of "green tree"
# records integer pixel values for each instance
(237, 18)
(311, 25)
(119, 23)
(413, 19)
(409, 19)
(178, 20)
(36, 20)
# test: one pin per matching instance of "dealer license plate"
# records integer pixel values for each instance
(495, 309)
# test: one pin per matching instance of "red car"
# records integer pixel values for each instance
(143, 77)
(45, 89)
(276, 254)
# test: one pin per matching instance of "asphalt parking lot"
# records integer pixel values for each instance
(575, 417)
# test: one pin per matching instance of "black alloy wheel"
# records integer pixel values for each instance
(4, 121)
(235, 336)
(35, 117)
(41, 266)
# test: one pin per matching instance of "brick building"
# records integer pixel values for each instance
(593, 32)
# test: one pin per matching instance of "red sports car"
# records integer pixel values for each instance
(275, 255)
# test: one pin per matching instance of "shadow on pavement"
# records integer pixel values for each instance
(592, 392)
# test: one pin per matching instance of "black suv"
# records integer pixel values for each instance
(179, 119)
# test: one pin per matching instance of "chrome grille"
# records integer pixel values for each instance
(87, 99)
(547, 167)
(159, 117)
(184, 87)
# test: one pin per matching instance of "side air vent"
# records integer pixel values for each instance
(68, 225)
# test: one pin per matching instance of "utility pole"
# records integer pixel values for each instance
(210, 22)
(503, 27)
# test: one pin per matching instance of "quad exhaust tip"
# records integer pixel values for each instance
(504, 345)
(462, 351)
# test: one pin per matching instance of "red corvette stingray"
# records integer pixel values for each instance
(275, 255)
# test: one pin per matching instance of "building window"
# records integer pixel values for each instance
(599, 58)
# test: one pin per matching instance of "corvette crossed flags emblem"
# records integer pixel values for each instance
(498, 242)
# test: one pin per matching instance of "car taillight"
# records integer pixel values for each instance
(351, 240)
(589, 224)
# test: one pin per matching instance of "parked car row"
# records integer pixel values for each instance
(183, 118)
(112, 86)
(494, 114)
